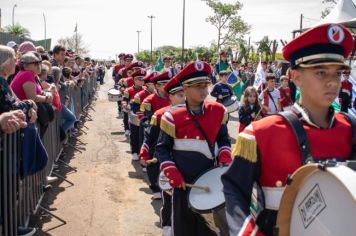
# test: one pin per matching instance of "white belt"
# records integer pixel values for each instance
(273, 197)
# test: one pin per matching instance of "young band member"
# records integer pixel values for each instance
(222, 89)
(190, 138)
(251, 109)
(134, 118)
(148, 89)
(284, 92)
(176, 96)
(317, 60)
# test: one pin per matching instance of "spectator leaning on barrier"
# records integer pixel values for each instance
(58, 55)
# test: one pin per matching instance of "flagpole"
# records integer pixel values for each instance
(76, 38)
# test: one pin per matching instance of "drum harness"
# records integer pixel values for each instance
(302, 139)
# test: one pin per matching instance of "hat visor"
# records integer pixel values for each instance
(325, 62)
(197, 82)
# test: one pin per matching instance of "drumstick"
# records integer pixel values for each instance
(152, 161)
(205, 188)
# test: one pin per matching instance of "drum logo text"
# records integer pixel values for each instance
(312, 205)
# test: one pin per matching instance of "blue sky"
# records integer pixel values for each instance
(109, 26)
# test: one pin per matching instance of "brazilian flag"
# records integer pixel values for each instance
(236, 84)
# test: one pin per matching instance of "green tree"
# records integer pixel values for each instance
(330, 4)
(226, 20)
(17, 30)
(264, 48)
(76, 43)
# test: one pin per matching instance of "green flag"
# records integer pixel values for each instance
(159, 65)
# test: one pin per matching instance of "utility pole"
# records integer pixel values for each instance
(45, 31)
(13, 15)
(183, 31)
(301, 23)
(0, 18)
(138, 40)
(151, 17)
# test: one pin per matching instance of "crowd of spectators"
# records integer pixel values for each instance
(31, 79)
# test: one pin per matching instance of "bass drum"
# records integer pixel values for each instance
(319, 201)
(231, 104)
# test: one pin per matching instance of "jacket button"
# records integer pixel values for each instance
(278, 183)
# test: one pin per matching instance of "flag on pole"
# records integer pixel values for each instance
(76, 28)
(260, 76)
(159, 65)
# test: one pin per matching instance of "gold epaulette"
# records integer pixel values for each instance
(168, 127)
(153, 120)
(147, 106)
(137, 100)
(224, 120)
(142, 107)
(245, 147)
(126, 95)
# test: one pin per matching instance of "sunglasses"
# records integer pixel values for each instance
(36, 63)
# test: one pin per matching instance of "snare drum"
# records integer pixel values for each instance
(319, 202)
(114, 95)
(201, 201)
(231, 104)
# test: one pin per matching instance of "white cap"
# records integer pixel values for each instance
(11, 44)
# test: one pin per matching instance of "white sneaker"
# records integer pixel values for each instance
(51, 179)
(135, 157)
(167, 231)
(156, 196)
(127, 132)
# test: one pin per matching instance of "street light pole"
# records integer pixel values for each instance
(151, 17)
(138, 40)
(13, 15)
(183, 30)
(45, 31)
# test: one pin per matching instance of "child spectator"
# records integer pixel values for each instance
(270, 97)
(250, 109)
(284, 92)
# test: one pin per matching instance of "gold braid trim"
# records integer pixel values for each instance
(126, 95)
(137, 100)
(168, 128)
(245, 148)
(224, 120)
(142, 107)
(153, 120)
(147, 106)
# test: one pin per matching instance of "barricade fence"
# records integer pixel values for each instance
(21, 198)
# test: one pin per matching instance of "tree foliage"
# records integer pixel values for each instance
(17, 30)
(226, 20)
(190, 54)
(267, 48)
(76, 43)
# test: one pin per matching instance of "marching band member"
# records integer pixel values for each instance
(159, 99)
(317, 60)
(190, 139)
(176, 97)
(128, 82)
(118, 67)
(149, 88)
(134, 118)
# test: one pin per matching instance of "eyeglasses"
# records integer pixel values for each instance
(36, 63)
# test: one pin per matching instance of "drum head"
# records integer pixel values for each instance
(319, 202)
(114, 92)
(202, 201)
(163, 182)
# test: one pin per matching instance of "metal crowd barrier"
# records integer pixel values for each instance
(21, 198)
